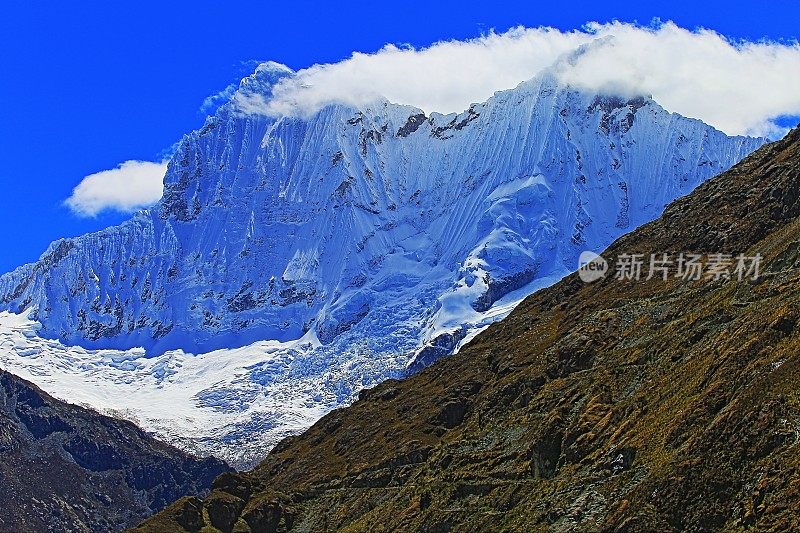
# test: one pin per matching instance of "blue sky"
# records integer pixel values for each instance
(87, 86)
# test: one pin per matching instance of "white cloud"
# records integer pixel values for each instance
(211, 103)
(445, 77)
(131, 186)
(739, 87)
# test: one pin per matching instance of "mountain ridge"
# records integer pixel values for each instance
(70, 469)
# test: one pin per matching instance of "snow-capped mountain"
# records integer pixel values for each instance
(308, 257)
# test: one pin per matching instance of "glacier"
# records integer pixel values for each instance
(295, 260)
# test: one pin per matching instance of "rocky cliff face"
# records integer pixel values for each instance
(65, 468)
(666, 405)
(369, 241)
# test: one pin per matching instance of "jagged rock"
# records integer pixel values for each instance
(452, 414)
(266, 515)
(223, 510)
(188, 513)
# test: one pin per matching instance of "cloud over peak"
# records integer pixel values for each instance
(739, 87)
(131, 186)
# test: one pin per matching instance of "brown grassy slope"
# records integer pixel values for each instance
(612, 406)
